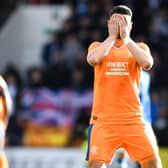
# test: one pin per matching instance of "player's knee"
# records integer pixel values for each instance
(152, 164)
(96, 165)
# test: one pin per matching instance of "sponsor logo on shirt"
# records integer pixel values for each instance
(117, 68)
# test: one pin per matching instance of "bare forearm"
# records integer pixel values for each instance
(96, 55)
(142, 57)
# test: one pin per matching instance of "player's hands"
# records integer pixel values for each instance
(113, 26)
(124, 27)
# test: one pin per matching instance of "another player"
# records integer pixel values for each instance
(5, 108)
(145, 96)
(116, 119)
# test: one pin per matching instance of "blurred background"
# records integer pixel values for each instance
(43, 48)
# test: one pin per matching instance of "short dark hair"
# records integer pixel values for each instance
(121, 9)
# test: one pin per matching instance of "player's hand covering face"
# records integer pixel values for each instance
(113, 26)
(119, 26)
(125, 24)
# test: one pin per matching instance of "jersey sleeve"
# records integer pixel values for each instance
(93, 46)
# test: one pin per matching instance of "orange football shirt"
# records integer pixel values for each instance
(116, 87)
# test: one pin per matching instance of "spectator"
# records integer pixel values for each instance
(50, 48)
(71, 49)
(57, 75)
(87, 71)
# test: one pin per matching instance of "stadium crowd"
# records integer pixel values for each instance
(55, 99)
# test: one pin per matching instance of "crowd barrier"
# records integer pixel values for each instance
(45, 158)
(56, 157)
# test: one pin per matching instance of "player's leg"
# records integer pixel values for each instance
(95, 164)
(157, 162)
(102, 143)
(92, 149)
(141, 145)
(152, 164)
(121, 159)
(3, 161)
